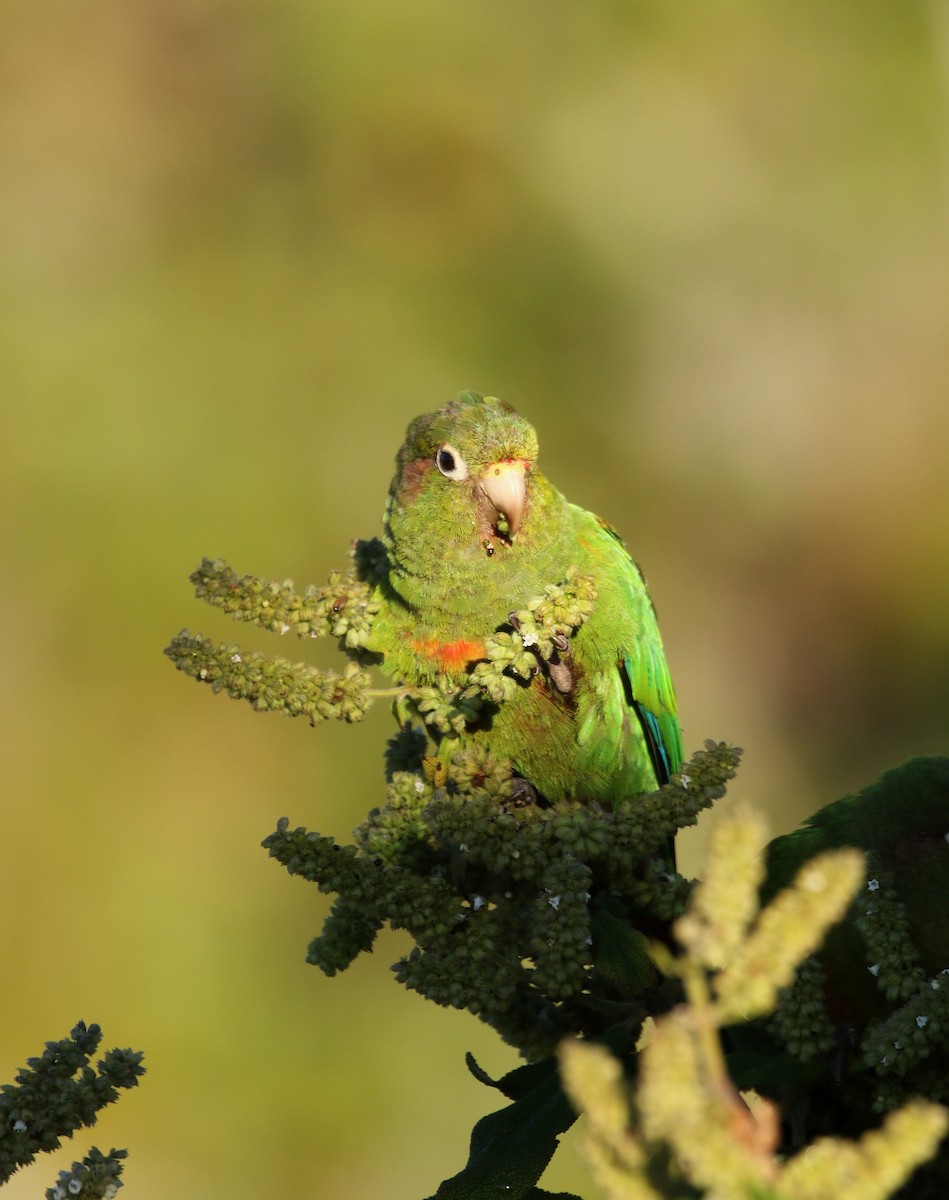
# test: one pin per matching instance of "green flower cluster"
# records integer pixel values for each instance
(274, 684)
(538, 635)
(684, 1129)
(95, 1178)
(914, 1031)
(55, 1094)
(446, 708)
(881, 920)
(894, 1045)
(547, 920)
(342, 609)
(800, 1020)
(499, 893)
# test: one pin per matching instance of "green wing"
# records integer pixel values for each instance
(636, 678)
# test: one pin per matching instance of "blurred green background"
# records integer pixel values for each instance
(703, 247)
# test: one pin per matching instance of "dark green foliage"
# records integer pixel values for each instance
(511, 1148)
(499, 893)
(57, 1093)
(866, 1021)
(622, 955)
(555, 919)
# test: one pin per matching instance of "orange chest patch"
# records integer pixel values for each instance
(450, 656)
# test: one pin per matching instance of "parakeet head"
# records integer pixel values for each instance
(467, 493)
(471, 459)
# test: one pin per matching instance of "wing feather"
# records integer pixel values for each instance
(643, 684)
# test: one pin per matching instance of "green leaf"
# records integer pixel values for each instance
(516, 1083)
(621, 954)
(540, 1194)
(511, 1148)
(749, 1069)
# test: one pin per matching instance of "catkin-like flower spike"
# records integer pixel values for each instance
(870, 1169)
(726, 901)
(273, 684)
(564, 607)
(347, 932)
(460, 970)
(58, 1092)
(791, 927)
(397, 833)
(342, 609)
(538, 631)
(489, 679)
(658, 892)
(560, 929)
(800, 1021)
(884, 925)
(909, 1035)
(96, 1177)
(426, 907)
(700, 782)
(546, 621)
(445, 708)
(593, 1080)
(532, 1023)
(682, 1100)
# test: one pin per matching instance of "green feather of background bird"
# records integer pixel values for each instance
(473, 531)
(902, 823)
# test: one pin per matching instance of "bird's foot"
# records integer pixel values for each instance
(560, 672)
(522, 792)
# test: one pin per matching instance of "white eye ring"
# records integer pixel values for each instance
(450, 462)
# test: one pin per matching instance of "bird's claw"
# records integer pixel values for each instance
(522, 792)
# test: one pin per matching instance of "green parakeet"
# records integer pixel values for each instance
(473, 530)
(902, 823)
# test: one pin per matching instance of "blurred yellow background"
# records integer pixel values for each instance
(703, 247)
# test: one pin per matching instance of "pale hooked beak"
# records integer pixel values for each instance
(505, 485)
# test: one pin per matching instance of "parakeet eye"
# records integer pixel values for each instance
(450, 463)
